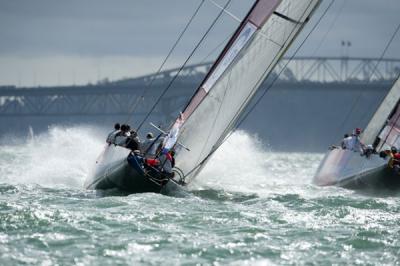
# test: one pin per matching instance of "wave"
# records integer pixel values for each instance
(62, 156)
(245, 164)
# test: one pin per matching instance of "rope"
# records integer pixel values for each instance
(226, 11)
(217, 114)
(251, 109)
(215, 49)
(330, 26)
(184, 64)
(390, 131)
(131, 112)
(263, 94)
(374, 70)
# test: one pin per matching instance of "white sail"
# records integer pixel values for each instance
(380, 117)
(260, 41)
(390, 134)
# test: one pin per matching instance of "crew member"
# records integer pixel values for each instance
(121, 136)
(111, 137)
(149, 146)
(344, 143)
(133, 142)
(394, 161)
(167, 162)
(355, 143)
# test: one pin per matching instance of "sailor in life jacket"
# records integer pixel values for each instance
(111, 137)
(345, 141)
(354, 143)
(122, 136)
(133, 141)
(394, 161)
(167, 162)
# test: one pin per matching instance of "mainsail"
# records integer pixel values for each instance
(385, 120)
(250, 55)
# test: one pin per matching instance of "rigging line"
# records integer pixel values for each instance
(220, 57)
(372, 73)
(215, 147)
(387, 47)
(394, 82)
(330, 27)
(226, 11)
(217, 114)
(392, 113)
(390, 131)
(283, 68)
(183, 65)
(284, 17)
(130, 113)
(215, 49)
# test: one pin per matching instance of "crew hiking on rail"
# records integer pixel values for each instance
(151, 150)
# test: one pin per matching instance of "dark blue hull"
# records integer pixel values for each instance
(129, 175)
(383, 178)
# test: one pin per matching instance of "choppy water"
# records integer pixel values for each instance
(250, 206)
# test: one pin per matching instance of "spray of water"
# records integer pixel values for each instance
(243, 163)
(62, 156)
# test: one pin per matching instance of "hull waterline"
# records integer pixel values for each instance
(118, 169)
(349, 169)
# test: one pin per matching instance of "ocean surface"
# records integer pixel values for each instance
(250, 206)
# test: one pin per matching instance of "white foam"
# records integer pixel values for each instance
(244, 164)
(65, 155)
(60, 156)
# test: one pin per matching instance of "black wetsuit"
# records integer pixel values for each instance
(133, 143)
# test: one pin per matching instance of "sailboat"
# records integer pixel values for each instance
(354, 170)
(261, 39)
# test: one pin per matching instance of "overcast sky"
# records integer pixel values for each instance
(55, 42)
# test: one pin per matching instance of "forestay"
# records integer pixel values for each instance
(379, 120)
(253, 51)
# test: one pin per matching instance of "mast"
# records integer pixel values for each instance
(218, 68)
(250, 55)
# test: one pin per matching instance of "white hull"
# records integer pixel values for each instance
(349, 169)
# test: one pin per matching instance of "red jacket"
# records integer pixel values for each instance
(396, 159)
(152, 162)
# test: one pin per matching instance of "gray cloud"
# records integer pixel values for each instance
(126, 27)
(77, 32)
(97, 27)
(368, 25)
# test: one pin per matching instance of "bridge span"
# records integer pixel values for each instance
(118, 97)
(313, 101)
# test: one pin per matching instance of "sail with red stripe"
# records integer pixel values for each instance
(250, 55)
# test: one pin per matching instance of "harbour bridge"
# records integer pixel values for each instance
(121, 97)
